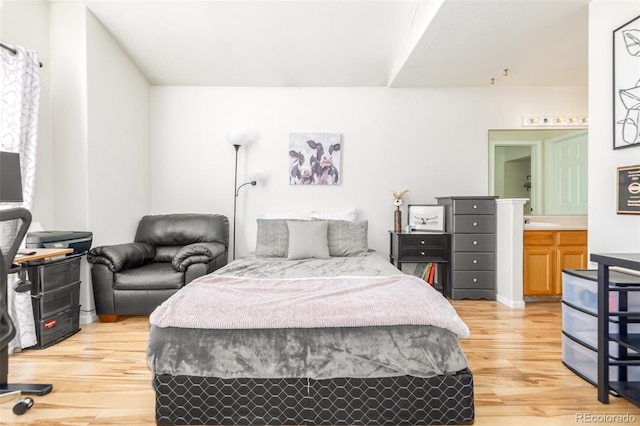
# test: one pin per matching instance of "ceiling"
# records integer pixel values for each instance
(352, 43)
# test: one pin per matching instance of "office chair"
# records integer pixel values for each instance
(14, 224)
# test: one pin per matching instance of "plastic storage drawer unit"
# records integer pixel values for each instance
(584, 362)
(580, 288)
(583, 327)
(55, 296)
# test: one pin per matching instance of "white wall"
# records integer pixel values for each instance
(431, 141)
(608, 231)
(118, 139)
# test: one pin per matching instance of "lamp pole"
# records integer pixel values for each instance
(235, 200)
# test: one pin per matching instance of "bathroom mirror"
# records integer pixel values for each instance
(546, 166)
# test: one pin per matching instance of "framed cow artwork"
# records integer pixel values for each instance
(314, 158)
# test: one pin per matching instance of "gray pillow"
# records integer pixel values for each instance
(348, 238)
(271, 239)
(308, 240)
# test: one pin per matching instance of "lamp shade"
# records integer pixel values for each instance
(237, 138)
(10, 177)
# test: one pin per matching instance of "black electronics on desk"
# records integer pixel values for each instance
(55, 289)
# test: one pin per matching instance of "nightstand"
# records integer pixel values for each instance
(422, 247)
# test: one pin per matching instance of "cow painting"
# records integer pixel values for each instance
(314, 158)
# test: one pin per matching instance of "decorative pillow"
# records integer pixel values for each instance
(350, 215)
(348, 238)
(271, 239)
(308, 240)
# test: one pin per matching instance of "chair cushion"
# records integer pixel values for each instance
(153, 276)
(182, 229)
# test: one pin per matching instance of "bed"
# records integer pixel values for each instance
(293, 335)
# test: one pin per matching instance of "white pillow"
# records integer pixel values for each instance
(351, 215)
(308, 240)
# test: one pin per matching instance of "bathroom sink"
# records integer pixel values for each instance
(541, 225)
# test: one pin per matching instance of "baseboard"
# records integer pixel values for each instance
(87, 317)
(516, 304)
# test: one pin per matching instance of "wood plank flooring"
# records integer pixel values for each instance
(100, 375)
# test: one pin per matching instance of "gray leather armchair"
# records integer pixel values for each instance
(168, 252)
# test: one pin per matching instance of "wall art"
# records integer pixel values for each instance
(626, 85)
(314, 158)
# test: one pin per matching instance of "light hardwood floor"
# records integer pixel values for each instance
(100, 375)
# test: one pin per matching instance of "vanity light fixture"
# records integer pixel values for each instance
(555, 121)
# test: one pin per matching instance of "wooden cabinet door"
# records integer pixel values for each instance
(569, 257)
(539, 271)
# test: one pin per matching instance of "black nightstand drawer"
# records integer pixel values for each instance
(474, 279)
(474, 261)
(422, 240)
(467, 224)
(474, 242)
(418, 254)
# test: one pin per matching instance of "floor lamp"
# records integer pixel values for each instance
(237, 139)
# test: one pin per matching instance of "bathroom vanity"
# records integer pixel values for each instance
(551, 245)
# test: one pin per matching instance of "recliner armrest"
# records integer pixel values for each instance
(197, 253)
(122, 256)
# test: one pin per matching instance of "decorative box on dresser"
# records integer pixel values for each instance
(471, 221)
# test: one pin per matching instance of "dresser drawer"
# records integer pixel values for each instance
(474, 242)
(474, 261)
(474, 206)
(474, 279)
(468, 224)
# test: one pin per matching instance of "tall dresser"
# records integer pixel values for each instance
(471, 221)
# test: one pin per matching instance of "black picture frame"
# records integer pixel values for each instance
(425, 218)
(626, 85)
(628, 189)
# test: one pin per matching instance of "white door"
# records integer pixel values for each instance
(566, 174)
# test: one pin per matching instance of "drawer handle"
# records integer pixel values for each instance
(475, 261)
(422, 253)
(475, 243)
(475, 206)
(422, 242)
(475, 223)
(475, 280)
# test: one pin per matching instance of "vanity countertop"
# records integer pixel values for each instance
(555, 223)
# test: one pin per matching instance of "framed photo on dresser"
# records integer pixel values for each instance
(426, 217)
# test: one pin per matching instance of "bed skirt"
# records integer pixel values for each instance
(404, 400)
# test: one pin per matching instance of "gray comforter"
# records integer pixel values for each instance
(314, 352)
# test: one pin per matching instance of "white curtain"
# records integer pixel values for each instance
(19, 103)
